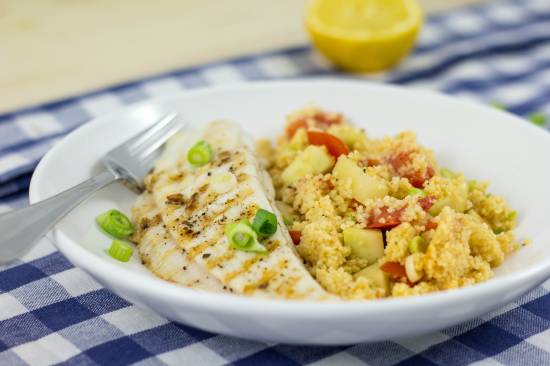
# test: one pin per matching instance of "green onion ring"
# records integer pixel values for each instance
(120, 250)
(116, 224)
(241, 236)
(200, 154)
(265, 223)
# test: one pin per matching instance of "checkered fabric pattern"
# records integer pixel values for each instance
(51, 312)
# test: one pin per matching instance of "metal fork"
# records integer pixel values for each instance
(21, 229)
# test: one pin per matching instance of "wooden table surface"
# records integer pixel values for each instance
(50, 49)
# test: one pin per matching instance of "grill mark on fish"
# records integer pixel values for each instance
(230, 203)
(223, 157)
(271, 247)
(203, 188)
(210, 199)
(162, 263)
(242, 177)
(268, 274)
(192, 203)
(143, 224)
(200, 193)
(175, 199)
(219, 260)
(196, 204)
(262, 283)
(246, 265)
(192, 226)
(181, 230)
(193, 252)
(147, 223)
(176, 177)
(286, 287)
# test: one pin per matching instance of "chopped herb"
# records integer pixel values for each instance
(200, 154)
(539, 119)
(241, 236)
(418, 245)
(116, 224)
(265, 223)
(120, 251)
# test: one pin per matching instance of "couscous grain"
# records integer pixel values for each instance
(350, 189)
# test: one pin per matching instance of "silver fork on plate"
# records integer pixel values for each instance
(130, 162)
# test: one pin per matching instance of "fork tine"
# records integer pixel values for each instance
(142, 139)
(148, 162)
(158, 139)
(133, 160)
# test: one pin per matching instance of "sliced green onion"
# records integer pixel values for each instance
(416, 192)
(447, 173)
(228, 229)
(498, 230)
(241, 236)
(120, 250)
(116, 224)
(287, 221)
(538, 119)
(418, 245)
(200, 154)
(512, 215)
(265, 223)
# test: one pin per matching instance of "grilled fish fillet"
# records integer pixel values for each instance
(196, 210)
(160, 253)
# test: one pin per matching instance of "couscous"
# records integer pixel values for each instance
(375, 218)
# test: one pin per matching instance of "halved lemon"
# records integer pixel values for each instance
(364, 35)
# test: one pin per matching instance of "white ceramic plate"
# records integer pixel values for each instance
(482, 142)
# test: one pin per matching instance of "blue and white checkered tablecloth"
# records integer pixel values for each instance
(51, 312)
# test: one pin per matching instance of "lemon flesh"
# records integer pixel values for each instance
(364, 35)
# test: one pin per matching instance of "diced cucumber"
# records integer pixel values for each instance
(418, 245)
(351, 136)
(299, 140)
(363, 186)
(365, 243)
(313, 160)
(376, 277)
(410, 269)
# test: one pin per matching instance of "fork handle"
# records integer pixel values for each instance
(21, 229)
